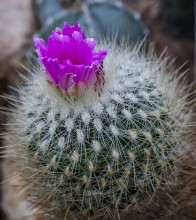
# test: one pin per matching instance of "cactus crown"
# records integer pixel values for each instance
(105, 151)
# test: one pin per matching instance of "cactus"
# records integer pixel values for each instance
(47, 8)
(101, 153)
(98, 19)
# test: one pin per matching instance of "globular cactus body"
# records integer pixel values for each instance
(87, 155)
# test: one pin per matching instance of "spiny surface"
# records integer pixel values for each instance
(87, 154)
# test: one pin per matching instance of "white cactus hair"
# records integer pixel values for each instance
(102, 155)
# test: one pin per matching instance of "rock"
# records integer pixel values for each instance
(16, 29)
(16, 21)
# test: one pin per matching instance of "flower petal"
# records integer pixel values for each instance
(70, 59)
(41, 47)
(66, 81)
(53, 69)
(68, 30)
(100, 56)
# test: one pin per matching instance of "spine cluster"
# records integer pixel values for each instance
(100, 152)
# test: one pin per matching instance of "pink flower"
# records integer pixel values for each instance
(70, 59)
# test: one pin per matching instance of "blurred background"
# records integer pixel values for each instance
(167, 23)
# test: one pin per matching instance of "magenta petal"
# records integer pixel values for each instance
(68, 30)
(53, 69)
(58, 30)
(67, 62)
(90, 76)
(70, 59)
(79, 72)
(59, 46)
(100, 56)
(77, 36)
(92, 44)
(66, 81)
(41, 47)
